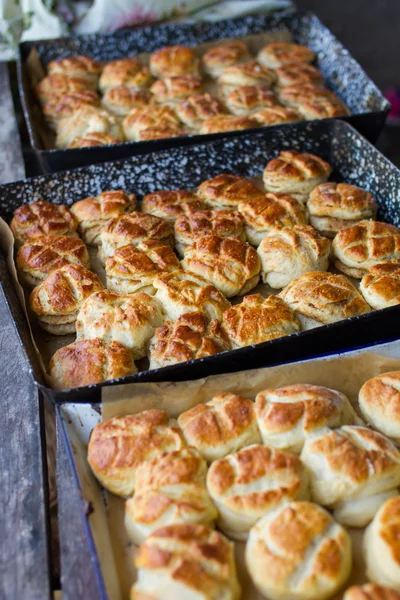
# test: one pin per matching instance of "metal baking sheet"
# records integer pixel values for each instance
(342, 74)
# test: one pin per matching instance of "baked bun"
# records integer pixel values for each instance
(195, 225)
(82, 67)
(291, 252)
(248, 73)
(186, 561)
(379, 401)
(88, 362)
(132, 229)
(91, 140)
(171, 204)
(286, 416)
(248, 99)
(133, 269)
(335, 206)
(119, 445)
(371, 591)
(160, 132)
(94, 212)
(39, 218)
(120, 100)
(228, 263)
(219, 58)
(175, 89)
(170, 489)
(180, 292)
(87, 119)
(174, 61)
(251, 483)
(276, 54)
(270, 213)
(222, 425)
(196, 109)
(257, 319)
(276, 115)
(125, 71)
(296, 73)
(54, 87)
(295, 173)
(130, 319)
(38, 258)
(149, 117)
(353, 470)
(381, 545)
(319, 298)
(296, 95)
(57, 300)
(364, 245)
(322, 108)
(65, 106)
(226, 191)
(224, 123)
(298, 553)
(380, 286)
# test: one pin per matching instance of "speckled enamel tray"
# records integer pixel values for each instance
(342, 74)
(353, 159)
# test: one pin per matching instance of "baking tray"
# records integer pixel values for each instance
(342, 74)
(353, 159)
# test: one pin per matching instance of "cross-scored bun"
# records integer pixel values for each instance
(319, 298)
(297, 73)
(222, 425)
(119, 445)
(65, 106)
(39, 218)
(149, 117)
(171, 204)
(130, 319)
(175, 89)
(88, 362)
(223, 123)
(295, 173)
(219, 58)
(335, 206)
(186, 561)
(380, 286)
(133, 269)
(198, 108)
(276, 115)
(54, 87)
(364, 245)
(132, 229)
(298, 553)
(296, 95)
(160, 132)
(87, 119)
(38, 258)
(381, 545)
(251, 483)
(58, 299)
(271, 213)
(228, 263)
(276, 54)
(371, 591)
(170, 489)
(379, 401)
(174, 61)
(125, 71)
(257, 319)
(249, 73)
(226, 191)
(180, 292)
(191, 336)
(286, 416)
(322, 108)
(121, 100)
(290, 252)
(91, 140)
(94, 212)
(248, 99)
(353, 470)
(82, 67)
(195, 225)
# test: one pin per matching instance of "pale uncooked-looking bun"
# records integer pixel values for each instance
(87, 119)
(379, 401)
(95, 138)
(60, 107)
(276, 54)
(171, 204)
(226, 191)
(121, 100)
(42, 218)
(174, 61)
(176, 89)
(83, 67)
(222, 123)
(371, 591)
(196, 109)
(298, 552)
(124, 71)
(248, 73)
(380, 285)
(251, 483)
(353, 470)
(247, 99)
(150, 118)
(119, 445)
(226, 55)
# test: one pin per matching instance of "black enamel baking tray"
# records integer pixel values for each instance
(354, 160)
(342, 74)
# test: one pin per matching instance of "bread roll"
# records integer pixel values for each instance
(149, 117)
(121, 100)
(295, 73)
(125, 71)
(276, 54)
(175, 89)
(226, 191)
(42, 218)
(65, 106)
(171, 204)
(371, 591)
(196, 109)
(160, 132)
(91, 140)
(276, 115)
(222, 123)
(54, 87)
(248, 73)
(300, 93)
(174, 61)
(379, 401)
(87, 119)
(380, 285)
(248, 99)
(322, 108)
(229, 54)
(83, 67)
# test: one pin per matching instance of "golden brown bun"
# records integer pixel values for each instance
(379, 401)
(228, 263)
(248, 73)
(199, 108)
(219, 58)
(364, 245)
(186, 561)
(248, 99)
(180, 292)
(170, 489)
(287, 415)
(174, 61)
(94, 212)
(128, 319)
(119, 445)
(88, 362)
(251, 483)
(87, 119)
(126, 71)
(380, 286)
(175, 89)
(122, 99)
(160, 132)
(171, 204)
(191, 336)
(226, 191)
(295, 73)
(90, 140)
(133, 269)
(291, 252)
(276, 115)
(222, 425)
(38, 258)
(223, 123)
(270, 213)
(371, 591)
(39, 218)
(296, 95)
(54, 87)
(298, 553)
(82, 67)
(276, 54)
(322, 108)
(152, 116)
(65, 106)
